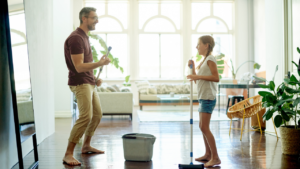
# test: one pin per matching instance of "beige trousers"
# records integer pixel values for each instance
(90, 113)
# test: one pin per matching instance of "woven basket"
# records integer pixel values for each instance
(251, 106)
(290, 140)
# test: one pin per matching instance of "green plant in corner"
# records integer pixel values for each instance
(284, 100)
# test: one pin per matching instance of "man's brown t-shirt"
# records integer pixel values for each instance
(77, 43)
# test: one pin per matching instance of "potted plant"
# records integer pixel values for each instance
(233, 72)
(284, 100)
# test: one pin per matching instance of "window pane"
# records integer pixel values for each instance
(224, 11)
(119, 10)
(171, 66)
(146, 11)
(296, 30)
(21, 73)
(16, 37)
(149, 56)
(119, 45)
(99, 6)
(211, 25)
(173, 12)
(199, 11)
(164, 26)
(108, 25)
(17, 22)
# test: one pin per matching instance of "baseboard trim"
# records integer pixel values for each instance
(63, 114)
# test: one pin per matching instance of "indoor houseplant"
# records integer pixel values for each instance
(233, 72)
(284, 100)
(114, 60)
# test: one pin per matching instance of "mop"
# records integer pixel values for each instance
(191, 165)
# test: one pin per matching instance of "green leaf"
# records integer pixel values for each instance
(220, 62)
(295, 64)
(256, 66)
(268, 114)
(264, 93)
(271, 98)
(291, 91)
(264, 86)
(272, 85)
(296, 102)
(280, 102)
(285, 116)
(285, 96)
(289, 112)
(220, 71)
(121, 69)
(264, 99)
(278, 121)
(298, 49)
(127, 78)
(293, 79)
(266, 104)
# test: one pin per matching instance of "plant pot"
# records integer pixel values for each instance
(290, 140)
(234, 81)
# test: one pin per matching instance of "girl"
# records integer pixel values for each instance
(206, 78)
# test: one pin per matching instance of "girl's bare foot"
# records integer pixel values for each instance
(204, 158)
(212, 162)
(90, 149)
(70, 160)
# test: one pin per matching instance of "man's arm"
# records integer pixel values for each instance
(80, 66)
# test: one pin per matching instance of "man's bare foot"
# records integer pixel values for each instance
(212, 162)
(204, 158)
(70, 160)
(90, 149)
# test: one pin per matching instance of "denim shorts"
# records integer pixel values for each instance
(207, 106)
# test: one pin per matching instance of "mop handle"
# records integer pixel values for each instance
(191, 114)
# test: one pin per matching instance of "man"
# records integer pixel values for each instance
(79, 61)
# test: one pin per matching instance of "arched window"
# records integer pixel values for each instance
(215, 19)
(160, 48)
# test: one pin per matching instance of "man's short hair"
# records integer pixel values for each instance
(85, 12)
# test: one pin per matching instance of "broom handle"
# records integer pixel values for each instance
(191, 114)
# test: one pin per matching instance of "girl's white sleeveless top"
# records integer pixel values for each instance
(206, 89)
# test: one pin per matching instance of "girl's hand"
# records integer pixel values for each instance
(192, 78)
(191, 62)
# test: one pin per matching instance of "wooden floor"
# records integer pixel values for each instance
(171, 148)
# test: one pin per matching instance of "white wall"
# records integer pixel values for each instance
(62, 27)
(39, 15)
(259, 33)
(274, 44)
(243, 40)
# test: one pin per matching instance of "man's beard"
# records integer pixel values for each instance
(91, 27)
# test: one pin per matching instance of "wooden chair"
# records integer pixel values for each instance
(246, 109)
